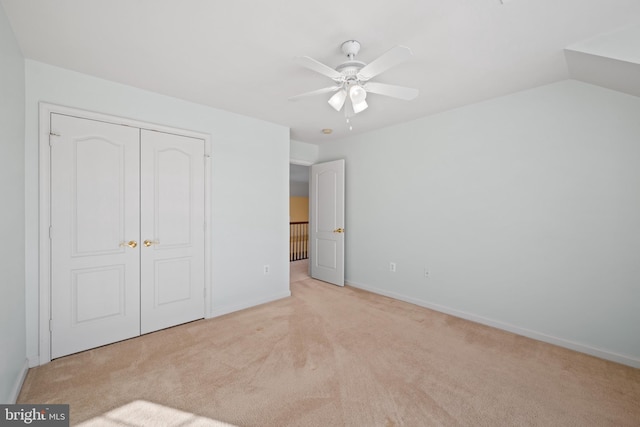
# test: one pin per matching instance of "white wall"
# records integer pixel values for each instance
(524, 209)
(298, 189)
(303, 153)
(250, 176)
(12, 286)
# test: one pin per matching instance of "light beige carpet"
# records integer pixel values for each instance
(331, 356)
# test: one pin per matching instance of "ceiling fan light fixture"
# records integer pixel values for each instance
(358, 98)
(357, 94)
(352, 78)
(338, 99)
(360, 106)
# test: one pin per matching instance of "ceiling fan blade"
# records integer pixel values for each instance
(400, 92)
(315, 92)
(387, 60)
(318, 67)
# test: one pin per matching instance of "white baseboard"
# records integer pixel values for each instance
(220, 311)
(561, 342)
(33, 361)
(15, 392)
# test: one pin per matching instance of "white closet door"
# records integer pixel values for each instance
(95, 265)
(172, 230)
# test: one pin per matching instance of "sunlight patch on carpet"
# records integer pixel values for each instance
(142, 413)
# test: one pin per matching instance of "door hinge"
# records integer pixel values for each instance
(50, 135)
(50, 232)
(50, 325)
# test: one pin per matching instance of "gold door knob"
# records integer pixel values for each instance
(339, 230)
(148, 243)
(131, 244)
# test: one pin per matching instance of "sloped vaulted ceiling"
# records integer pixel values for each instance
(611, 60)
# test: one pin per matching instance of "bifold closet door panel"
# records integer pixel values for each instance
(172, 230)
(95, 258)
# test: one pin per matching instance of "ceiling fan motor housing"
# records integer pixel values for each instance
(351, 48)
(351, 67)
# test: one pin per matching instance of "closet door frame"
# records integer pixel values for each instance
(44, 210)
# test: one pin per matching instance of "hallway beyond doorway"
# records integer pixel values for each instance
(298, 270)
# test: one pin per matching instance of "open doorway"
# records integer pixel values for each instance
(299, 221)
(323, 238)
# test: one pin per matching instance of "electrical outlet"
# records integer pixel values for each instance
(266, 269)
(392, 267)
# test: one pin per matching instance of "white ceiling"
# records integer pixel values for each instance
(238, 55)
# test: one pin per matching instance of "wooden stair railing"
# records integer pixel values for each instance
(298, 240)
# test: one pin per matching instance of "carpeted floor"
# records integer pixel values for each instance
(331, 356)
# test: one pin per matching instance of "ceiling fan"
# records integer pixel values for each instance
(352, 78)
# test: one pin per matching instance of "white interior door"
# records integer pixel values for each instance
(327, 222)
(95, 265)
(127, 232)
(172, 230)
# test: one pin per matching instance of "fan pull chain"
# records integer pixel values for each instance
(347, 117)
